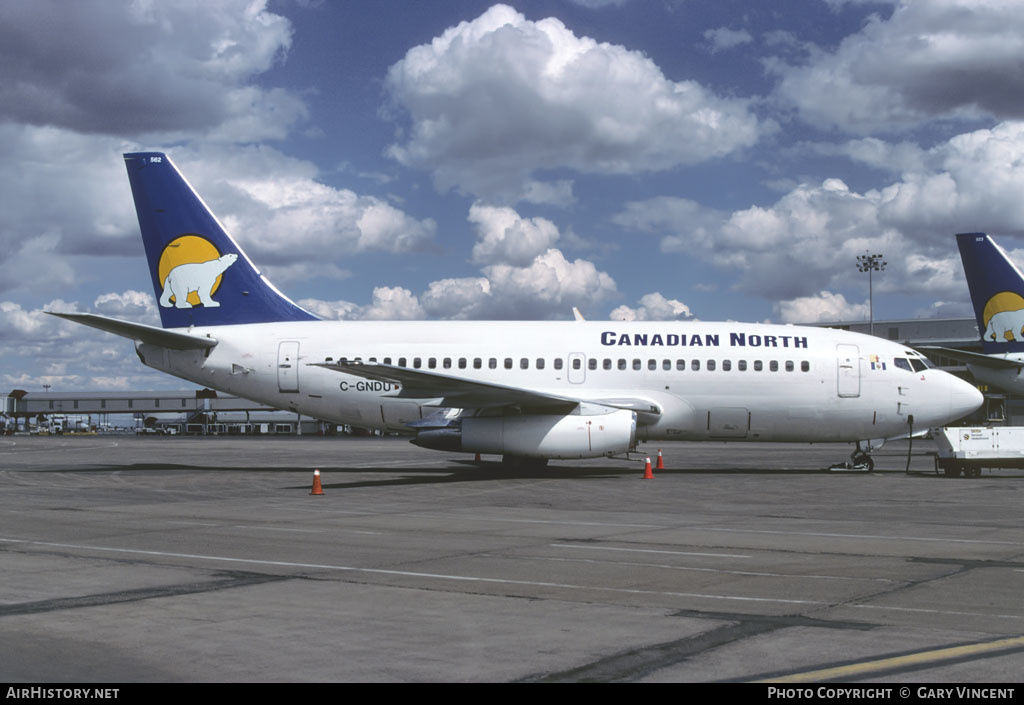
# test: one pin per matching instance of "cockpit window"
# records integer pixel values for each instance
(919, 361)
(902, 363)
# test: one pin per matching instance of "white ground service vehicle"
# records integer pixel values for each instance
(967, 450)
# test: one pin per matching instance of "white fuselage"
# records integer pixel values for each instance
(727, 381)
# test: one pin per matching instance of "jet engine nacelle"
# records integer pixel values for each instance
(607, 432)
(551, 436)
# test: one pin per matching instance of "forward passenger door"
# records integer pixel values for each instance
(848, 384)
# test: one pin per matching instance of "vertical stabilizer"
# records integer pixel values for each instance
(200, 274)
(997, 292)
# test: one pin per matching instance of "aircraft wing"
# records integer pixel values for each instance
(140, 331)
(464, 393)
(980, 359)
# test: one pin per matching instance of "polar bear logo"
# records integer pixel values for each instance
(1005, 322)
(199, 277)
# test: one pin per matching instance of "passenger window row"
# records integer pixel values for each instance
(576, 363)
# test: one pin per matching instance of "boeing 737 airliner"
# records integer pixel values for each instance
(528, 391)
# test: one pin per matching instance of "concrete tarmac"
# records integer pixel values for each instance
(130, 559)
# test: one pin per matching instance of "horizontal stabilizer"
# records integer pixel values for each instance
(140, 331)
(993, 361)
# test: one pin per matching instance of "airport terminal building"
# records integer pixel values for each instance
(199, 412)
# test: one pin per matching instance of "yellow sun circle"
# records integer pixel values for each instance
(188, 249)
(1003, 301)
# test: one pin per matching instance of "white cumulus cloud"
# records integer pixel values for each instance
(941, 59)
(506, 237)
(808, 240)
(496, 100)
(653, 307)
(723, 38)
(279, 211)
(823, 307)
(131, 304)
(130, 68)
(388, 304)
(520, 278)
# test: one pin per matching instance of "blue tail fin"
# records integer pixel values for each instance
(200, 274)
(997, 292)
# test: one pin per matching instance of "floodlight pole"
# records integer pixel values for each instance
(869, 264)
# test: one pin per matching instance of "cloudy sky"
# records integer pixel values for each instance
(412, 159)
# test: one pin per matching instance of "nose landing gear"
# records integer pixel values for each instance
(861, 461)
(860, 458)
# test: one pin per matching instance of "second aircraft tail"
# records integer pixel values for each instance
(997, 292)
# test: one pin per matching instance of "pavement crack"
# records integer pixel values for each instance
(229, 581)
(634, 664)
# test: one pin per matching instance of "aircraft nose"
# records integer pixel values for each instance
(964, 398)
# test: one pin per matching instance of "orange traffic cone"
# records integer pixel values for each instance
(477, 458)
(661, 463)
(317, 489)
(648, 475)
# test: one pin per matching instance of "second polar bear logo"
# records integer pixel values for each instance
(1006, 325)
(199, 277)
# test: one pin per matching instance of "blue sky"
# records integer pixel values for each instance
(638, 159)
